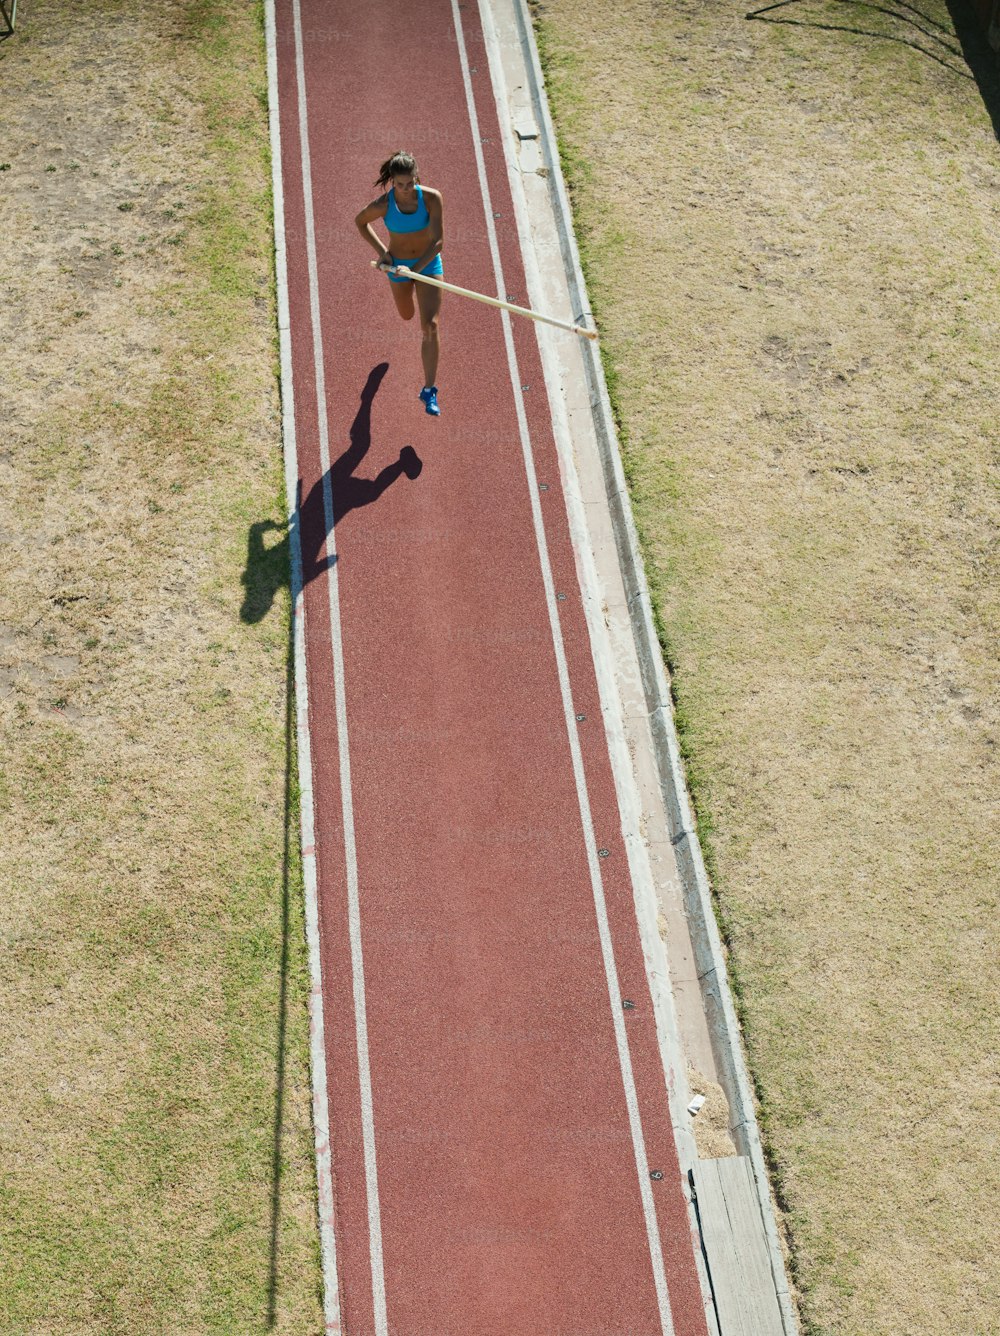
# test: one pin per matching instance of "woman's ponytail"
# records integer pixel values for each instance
(400, 164)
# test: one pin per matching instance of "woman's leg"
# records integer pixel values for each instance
(429, 301)
(402, 295)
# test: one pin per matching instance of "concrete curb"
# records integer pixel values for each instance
(710, 954)
(317, 1044)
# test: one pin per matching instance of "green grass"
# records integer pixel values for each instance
(157, 1075)
(790, 235)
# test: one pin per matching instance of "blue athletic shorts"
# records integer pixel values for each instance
(433, 270)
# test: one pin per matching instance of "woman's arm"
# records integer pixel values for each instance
(364, 222)
(435, 207)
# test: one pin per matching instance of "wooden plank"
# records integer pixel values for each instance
(736, 1248)
(723, 1263)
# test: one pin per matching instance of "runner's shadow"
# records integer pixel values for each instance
(347, 491)
(268, 569)
(268, 566)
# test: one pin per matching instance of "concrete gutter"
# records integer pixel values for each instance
(709, 951)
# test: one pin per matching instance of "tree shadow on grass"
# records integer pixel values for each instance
(982, 60)
(268, 569)
(935, 40)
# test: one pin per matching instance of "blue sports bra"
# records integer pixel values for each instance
(397, 221)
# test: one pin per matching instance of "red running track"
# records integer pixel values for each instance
(487, 1175)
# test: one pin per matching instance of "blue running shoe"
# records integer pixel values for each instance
(429, 399)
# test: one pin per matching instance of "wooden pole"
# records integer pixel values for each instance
(491, 301)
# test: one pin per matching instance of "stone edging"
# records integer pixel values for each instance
(709, 951)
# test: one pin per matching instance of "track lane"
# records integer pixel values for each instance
(507, 1182)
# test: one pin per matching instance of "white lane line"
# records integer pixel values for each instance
(570, 438)
(604, 929)
(340, 698)
(317, 1045)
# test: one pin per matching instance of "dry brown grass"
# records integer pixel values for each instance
(148, 920)
(792, 236)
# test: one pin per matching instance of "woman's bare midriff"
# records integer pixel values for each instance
(409, 245)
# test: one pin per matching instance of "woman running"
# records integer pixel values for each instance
(413, 217)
